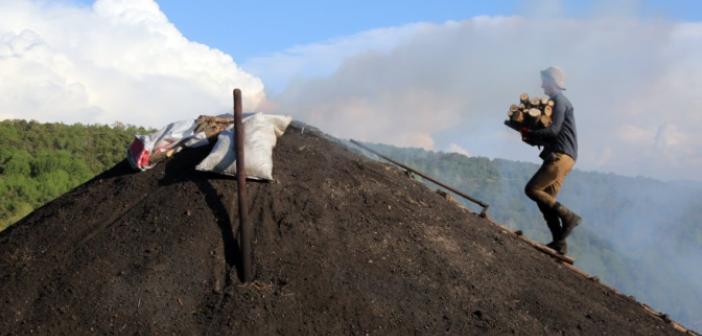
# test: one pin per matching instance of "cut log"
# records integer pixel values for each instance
(545, 121)
(524, 98)
(531, 118)
(551, 103)
(548, 111)
(544, 101)
(518, 117)
(512, 109)
(534, 102)
(534, 113)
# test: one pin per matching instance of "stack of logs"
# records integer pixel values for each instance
(532, 113)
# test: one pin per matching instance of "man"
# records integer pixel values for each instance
(559, 154)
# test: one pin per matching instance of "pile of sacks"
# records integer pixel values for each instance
(261, 134)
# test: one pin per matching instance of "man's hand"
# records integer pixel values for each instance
(529, 142)
(526, 136)
(524, 131)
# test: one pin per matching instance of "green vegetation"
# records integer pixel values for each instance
(39, 162)
(639, 235)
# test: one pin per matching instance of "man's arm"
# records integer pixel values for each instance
(552, 131)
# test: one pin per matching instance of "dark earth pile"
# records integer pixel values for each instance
(343, 245)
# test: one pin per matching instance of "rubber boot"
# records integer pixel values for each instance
(552, 220)
(569, 218)
(554, 224)
(555, 227)
(559, 246)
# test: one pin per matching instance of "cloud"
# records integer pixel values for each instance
(634, 83)
(117, 60)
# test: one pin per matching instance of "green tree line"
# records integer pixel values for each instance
(41, 161)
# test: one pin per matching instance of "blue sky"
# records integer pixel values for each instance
(253, 28)
(248, 29)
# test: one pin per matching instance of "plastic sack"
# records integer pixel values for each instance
(261, 134)
(147, 150)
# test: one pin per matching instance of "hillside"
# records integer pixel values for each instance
(640, 235)
(344, 245)
(40, 161)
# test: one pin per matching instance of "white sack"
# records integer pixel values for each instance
(172, 137)
(261, 132)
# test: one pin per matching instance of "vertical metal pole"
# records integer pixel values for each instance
(244, 228)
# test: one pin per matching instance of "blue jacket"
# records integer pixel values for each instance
(561, 136)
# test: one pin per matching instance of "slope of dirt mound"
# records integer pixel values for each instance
(343, 245)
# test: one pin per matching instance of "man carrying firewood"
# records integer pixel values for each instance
(559, 154)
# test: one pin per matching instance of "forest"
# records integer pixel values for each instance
(41, 161)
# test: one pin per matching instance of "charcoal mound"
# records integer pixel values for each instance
(343, 245)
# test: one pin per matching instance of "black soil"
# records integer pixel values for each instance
(343, 245)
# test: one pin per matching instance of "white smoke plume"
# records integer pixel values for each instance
(281, 69)
(634, 83)
(118, 60)
(456, 148)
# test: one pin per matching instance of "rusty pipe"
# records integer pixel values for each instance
(245, 230)
(483, 205)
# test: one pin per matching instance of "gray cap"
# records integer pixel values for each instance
(555, 74)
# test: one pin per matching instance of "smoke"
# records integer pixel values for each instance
(456, 148)
(280, 70)
(119, 60)
(634, 84)
(655, 226)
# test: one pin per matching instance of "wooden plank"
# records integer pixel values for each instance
(577, 271)
(537, 246)
(549, 251)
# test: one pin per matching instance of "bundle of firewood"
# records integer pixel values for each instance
(532, 113)
(212, 126)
